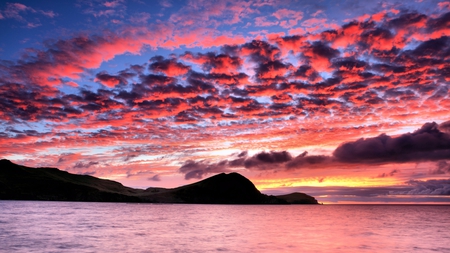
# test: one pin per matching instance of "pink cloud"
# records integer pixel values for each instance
(262, 21)
(19, 6)
(112, 4)
(140, 18)
(49, 14)
(165, 3)
(292, 17)
(313, 25)
(317, 13)
(297, 30)
(444, 5)
(104, 13)
(13, 9)
(33, 25)
(71, 83)
(16, 10)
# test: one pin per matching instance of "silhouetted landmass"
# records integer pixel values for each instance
(24, 183)
(298, 198)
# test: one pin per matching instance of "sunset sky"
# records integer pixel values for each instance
(345, 100)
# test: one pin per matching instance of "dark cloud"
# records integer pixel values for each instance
(216, 78)
(192, 169)
(433, 48)
(243, 153)
(307, 72)
(406, 20)
(426, 144)
(151, 80)
(441, 22)
(442, 167)
(111, 80)
(215, 63)
(261, 160)
(232, 50)
(370, 97)
(304, 161)
(386, 68)
(445, 127)
(390, 174)
(273, 160)
(349, 63)
(318, 48)
(89, 173)
(272, 70)
(82, 165)
(260, 51)
(155, 178)
(170, 67)
(377, 35)
(34, 103)
(429, 187)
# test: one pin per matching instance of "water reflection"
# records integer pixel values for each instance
(105, 227)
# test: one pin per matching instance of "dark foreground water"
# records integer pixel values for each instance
(27, 226)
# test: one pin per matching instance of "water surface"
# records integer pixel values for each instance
(28, 226)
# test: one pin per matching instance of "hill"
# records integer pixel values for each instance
(24, 183)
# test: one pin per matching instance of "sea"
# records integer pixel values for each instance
(45, 226)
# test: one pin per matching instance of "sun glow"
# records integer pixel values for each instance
(324, 182)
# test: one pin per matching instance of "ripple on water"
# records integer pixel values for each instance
(103, 227)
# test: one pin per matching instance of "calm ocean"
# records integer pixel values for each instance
(27, 226)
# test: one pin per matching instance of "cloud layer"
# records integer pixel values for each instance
(173, 93)
(423, 145)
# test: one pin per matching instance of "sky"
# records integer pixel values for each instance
(343, 100)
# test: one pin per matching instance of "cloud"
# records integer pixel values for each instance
(65, 59)
(428, 187)
(289, 18)
(260, 89)
(272, 160)
(82, 165)
(155, 178)
(445, 127)
(442, 167)
(170, 67)
(17, 11)
(304, 161)
(390, 174)
(425, 144)
(192, 169)
(215, 63)
(273, 70)
(319, 55)
(140, 18)
(13, 10)
(262, 22)
(112, 4)
(260, 51)
(263, 159)
(109, 80)
(165, 3)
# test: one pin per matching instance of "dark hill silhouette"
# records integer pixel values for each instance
(24, 183)
(298, 198)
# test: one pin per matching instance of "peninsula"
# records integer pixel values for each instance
(24, 183)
